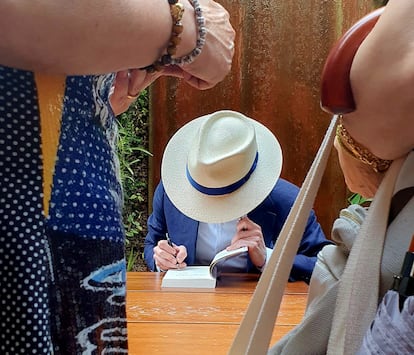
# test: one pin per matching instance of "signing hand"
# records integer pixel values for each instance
(249, 234)
(169, 257)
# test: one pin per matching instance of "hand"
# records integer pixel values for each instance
(214, 62)
(359, 177)
(249, 234)
(128, 85)
(169, 257)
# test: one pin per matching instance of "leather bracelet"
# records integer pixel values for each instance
(360, 152)
(201, 37)
(177, 11)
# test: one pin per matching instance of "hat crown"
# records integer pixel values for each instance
(223, 151)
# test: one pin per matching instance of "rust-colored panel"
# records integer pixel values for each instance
(281, 47)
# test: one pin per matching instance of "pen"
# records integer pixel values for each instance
(404, 283)
(169, 240)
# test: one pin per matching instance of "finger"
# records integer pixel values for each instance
(164, 246)
(169, 252)
(181, 254)
(121, 84)
(140, 79)
(198, 83)
(181, 265)
(136, 81)
(165, 264)
(251, 238)
(165, 251)
(175, 71)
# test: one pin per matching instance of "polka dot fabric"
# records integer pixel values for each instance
(24, 266)
(86, 197)
(62, 278)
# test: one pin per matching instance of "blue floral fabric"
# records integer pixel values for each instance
(391, 332)
(63, 275)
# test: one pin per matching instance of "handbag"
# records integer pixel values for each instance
(311, 336)
(353, 275)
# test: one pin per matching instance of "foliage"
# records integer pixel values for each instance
(133, 158)
(359, 200)
(380, 3)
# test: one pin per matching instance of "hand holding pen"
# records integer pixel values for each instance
(167, 255)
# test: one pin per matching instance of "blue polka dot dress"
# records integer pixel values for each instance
(62, 268)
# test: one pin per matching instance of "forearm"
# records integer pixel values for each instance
(382, 78)
(149, 245)
(302, 268)
(86, 37)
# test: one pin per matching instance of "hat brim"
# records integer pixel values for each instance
(224, 208)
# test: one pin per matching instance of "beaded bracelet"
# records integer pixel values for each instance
(177, 11)
(201, 36)
(360, 152)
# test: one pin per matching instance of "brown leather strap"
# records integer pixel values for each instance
(399, 200)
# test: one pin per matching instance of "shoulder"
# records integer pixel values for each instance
(284, 188)
(281, 198)
(159, 189)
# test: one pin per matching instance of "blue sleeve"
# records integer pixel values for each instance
(312, 242)
(156, 225)
(313, 239)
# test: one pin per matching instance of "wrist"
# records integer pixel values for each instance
(200, 31)
(188, 29)
(261, 268)
(189, 35)
(358, 151)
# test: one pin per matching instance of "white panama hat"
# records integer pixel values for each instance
(219, 167)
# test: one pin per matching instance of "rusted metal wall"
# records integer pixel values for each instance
(281, 47)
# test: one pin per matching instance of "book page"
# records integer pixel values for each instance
(189, 272)
(189, 277)
(225, 254)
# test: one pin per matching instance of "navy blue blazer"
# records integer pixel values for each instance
(270, 215)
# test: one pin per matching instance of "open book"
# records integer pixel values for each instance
(198, 276)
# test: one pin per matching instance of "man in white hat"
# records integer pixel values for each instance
(221, 189)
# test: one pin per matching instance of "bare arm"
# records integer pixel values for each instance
(88, 36)
(382, 77)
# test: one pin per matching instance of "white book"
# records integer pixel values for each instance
(198, 276)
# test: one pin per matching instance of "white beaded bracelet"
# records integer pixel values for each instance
(167, 59)
(201, 37)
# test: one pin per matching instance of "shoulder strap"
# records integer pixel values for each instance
(256, 328)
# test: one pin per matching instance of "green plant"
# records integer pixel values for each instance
(133, 160)
(359, 200)
(380, 3)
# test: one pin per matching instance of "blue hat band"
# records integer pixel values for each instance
(217, 191)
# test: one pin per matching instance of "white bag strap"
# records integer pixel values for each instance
(358, 293)
(255, 331)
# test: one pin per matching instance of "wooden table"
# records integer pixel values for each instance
(195, 321)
